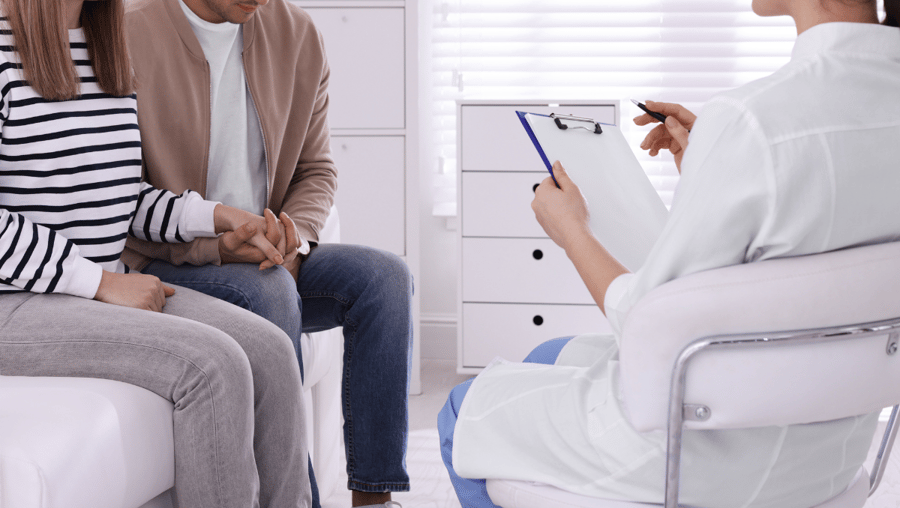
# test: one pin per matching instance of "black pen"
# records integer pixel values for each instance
(659, 116)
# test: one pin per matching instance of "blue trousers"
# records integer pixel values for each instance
(369, 293)
(472, 493)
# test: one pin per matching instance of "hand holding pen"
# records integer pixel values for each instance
(672, 135)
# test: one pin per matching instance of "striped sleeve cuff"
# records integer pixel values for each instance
(83, 280)
(197, 218)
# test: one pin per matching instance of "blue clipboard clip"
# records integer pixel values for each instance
(559, 118)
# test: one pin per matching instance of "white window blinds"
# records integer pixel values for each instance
(681, 51)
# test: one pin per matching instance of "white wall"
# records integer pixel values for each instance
(438, 286)
(438, 272)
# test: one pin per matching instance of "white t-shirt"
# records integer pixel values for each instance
(237, 171)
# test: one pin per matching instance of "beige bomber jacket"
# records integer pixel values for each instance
(287, 73)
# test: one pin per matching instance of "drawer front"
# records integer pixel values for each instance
(512, 331)
(371, 193)
(513, 270)
(493, 138)
(499, 204)
(365, 48)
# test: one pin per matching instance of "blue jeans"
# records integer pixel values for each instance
(369, 293)
(472, 493)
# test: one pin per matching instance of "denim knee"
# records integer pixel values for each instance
(391, 274)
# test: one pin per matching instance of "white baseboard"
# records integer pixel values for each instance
(438, 331)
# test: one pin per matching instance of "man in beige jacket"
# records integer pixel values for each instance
(232, 103)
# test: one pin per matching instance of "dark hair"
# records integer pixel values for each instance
(42, 42)
(892, 8)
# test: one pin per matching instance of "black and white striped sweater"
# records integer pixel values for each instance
(70, 184)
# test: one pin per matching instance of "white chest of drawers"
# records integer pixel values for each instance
(517, 288)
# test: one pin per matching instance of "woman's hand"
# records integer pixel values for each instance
(134, 290)
(672, 136)
(562, 212)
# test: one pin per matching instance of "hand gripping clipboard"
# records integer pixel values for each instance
(627, 215)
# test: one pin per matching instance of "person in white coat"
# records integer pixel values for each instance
(800, 162)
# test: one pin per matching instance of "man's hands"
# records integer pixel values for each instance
(562, 212)
(267, 240)
(672, 136)
(133, 290)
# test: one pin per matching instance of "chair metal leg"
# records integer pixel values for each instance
(887, 442)
(676, 420)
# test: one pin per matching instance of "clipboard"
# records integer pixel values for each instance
(627, 214)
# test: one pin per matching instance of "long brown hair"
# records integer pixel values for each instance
(42, 42)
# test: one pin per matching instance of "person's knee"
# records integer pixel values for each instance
(215, 362)
(271, 353)
(392, 275)
(547, 352)
(455, 400)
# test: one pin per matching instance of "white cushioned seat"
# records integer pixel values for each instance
(82, 443)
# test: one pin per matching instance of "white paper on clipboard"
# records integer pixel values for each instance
(627, 214)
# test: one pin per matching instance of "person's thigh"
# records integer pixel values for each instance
(74, 336)
(271, 293)
(336, 277)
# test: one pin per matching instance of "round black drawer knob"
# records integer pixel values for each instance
(537, 254)
(537, 320)
(534, 189)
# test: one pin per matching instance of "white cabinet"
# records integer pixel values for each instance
(512, 331)
(365, 53)
(372, 112)
(519, 270)
(517, 288)
(371, 176)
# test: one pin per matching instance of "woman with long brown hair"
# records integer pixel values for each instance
(70, 193)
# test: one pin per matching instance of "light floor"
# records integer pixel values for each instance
(431, 486)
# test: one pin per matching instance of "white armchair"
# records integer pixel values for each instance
(95, 443)
(745, 346)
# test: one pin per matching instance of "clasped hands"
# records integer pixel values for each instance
(267, 240)
(244, 238)
(563, 211)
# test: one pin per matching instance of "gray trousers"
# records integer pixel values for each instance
(239, 421)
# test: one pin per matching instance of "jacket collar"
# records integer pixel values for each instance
(186, 33)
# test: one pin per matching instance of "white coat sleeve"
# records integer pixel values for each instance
(723, 200)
